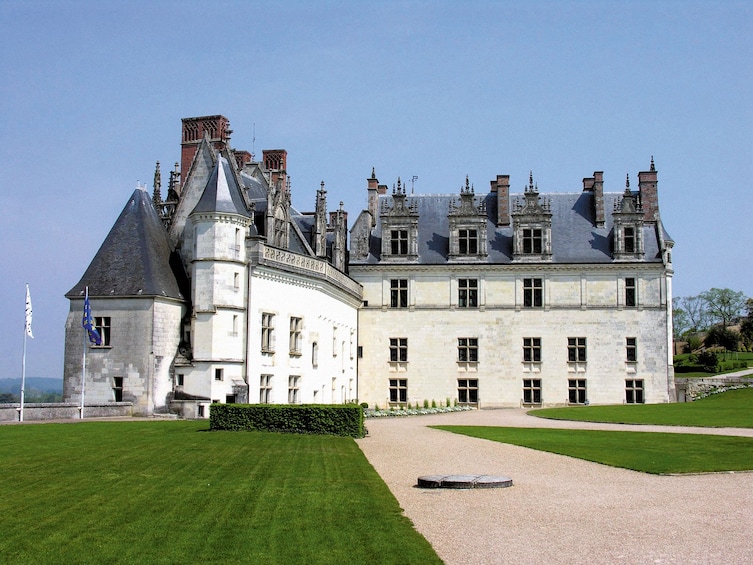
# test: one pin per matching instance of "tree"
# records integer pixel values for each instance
(680, 320)
(723, 337)
(723, 304)
(696, 310)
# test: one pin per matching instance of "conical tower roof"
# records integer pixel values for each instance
(135, 258)
(222, 194)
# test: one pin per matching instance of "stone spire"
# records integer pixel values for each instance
(157, 194)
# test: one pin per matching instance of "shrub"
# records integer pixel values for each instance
(709, 361)
(341, 420)
(426, 403)
(433, 403)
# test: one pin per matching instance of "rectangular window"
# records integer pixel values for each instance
(236, 280)
(102, 325)
(468, 349)
(631, 349)
(533, 293)
(531, 391)
(532, 349)
(265, 389)
(267, 333)
(296, 327)
(468, 242)
(399, 293)
(399, 390)
(629, 240)
(576, 349)
(576, 390)
(630, 292)
(399, 242)
(218, 376)
(634, 391)
(117, 388)
(398, 349)
(467, 293)
(293, 389)
(235, 325)
(179, 379)
(468, 391)
(532, 241)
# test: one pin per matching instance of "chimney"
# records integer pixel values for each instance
(242, 158)
(217, 128)
(648, 193)
(275, 159)
(598, 190)
(502, 187)
(276, 162)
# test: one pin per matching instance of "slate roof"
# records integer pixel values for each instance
(135, 258)
(221, 193)
(575, 239)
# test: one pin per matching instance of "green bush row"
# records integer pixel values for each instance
(336, 419)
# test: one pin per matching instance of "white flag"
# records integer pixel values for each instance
(28, 312)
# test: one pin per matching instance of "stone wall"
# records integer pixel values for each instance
(64, 411)
(690, 389)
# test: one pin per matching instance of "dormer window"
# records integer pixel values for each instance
(399, 242)
(532, 226)
(532, 241)
(628, 227)
(468, 242)
(629, 236)
(399, 227)
(467, 226)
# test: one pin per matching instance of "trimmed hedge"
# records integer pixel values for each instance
(335, 419)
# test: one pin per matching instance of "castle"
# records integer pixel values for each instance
(224, 292)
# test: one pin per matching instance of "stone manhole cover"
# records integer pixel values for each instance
(463, 481)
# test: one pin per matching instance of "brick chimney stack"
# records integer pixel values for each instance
(276, 162)
(501, 186)
(242, 158)
(599, 199)
(595, 185)
(647, 187)
(217, 128)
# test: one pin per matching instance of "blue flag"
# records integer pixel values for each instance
(88, 322)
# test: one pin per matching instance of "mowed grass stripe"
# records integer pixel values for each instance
(172, 492)
(648, 452)
(733, 409)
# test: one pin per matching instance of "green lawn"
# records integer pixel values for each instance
(729, 409)
(660, 453)
(657, 453)
(172, 492)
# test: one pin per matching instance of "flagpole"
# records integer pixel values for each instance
(23, 381)
(27, 331)
(83, 363)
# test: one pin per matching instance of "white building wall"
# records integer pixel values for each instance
(576, 304)
(144, 337)
(329, 321)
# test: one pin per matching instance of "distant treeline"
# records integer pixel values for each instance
(37, 389)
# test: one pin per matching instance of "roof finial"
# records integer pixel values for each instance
(653, 168)
(627, 180)
(373, 173)
(157, 194)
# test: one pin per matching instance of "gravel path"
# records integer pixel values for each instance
(560, 509)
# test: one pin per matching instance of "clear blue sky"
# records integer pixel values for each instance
(92, 94)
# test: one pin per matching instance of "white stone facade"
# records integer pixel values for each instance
(141, 348)
(579, 302)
